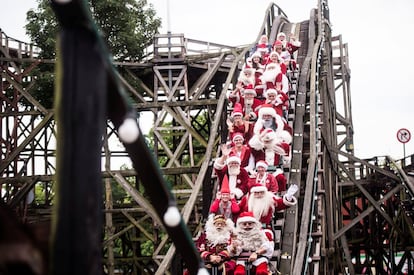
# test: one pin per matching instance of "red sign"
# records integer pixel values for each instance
(403, 135)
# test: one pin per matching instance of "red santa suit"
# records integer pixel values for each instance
(242, 151)
(251, 240)
(266, 179)
(238, 183)
(259, 85)
(262, 147)
(274, 74)
(263, 208)
(213, 242)
(237, 125)
(251, 104)
(274, 57)
(279, 101)
(280, 180)
(225, 204)
(278, 123)
(290, 47)
(245, 79)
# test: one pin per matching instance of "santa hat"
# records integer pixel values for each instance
(270, 89)
(246, 217)
(267, 134)
(256, 54)
(219, 218)
(282, 149)
(278, 43)
(237, 135)
(247, 68)
(269, 234)
(249, 89)
(285, 136)
(233, 159)
(262, 163)
(237, 110)
(281, 34)
(257, 187)
(262, 48)
(274, 53)
(225, 188)
(267, 109)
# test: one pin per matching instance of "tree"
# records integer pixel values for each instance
(127, 26)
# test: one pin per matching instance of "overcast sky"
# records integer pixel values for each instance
(381, 88)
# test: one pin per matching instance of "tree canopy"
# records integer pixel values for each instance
(127, 26)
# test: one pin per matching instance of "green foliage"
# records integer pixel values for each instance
(127, 26)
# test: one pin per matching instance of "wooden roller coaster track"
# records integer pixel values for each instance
(354, 216)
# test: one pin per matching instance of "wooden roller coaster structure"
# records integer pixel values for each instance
(353, 216)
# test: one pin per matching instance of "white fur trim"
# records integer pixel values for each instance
(289, 203)
(278, 172)
(284, 136)
(238, 193)
(267, 111)
(280, 34)
(270, 91)
(255, 143)
(269, 136)
(233, 159)
(253, 115)
(262, 164)
(258, 125)
(217, 165)
(261, 188)
(246, 219)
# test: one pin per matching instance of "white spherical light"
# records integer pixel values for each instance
(129, 131)
(172, 216)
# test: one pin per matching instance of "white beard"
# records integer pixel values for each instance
(269, 154)
(260, 207)
(270, 75)
(251, 240)
(234, 171)
(215, 237)
(246, 80)
(248, 101)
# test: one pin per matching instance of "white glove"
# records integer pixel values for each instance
(291, 191)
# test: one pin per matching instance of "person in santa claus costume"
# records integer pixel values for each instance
(257, 61)
(276, 59)
(262, 177)
(280, 180)
(268, 118)
(248, 102)
(212, 245)
(246, 78)
(251, 246)
(229, 166)
(279, 100)
(290, 45)
(273, 73)
(225, 204)
(243, 151)
(268, 146)
(263, 203)
(237, 124)
(262, 46)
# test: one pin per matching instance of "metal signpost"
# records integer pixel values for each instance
(403, 136)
